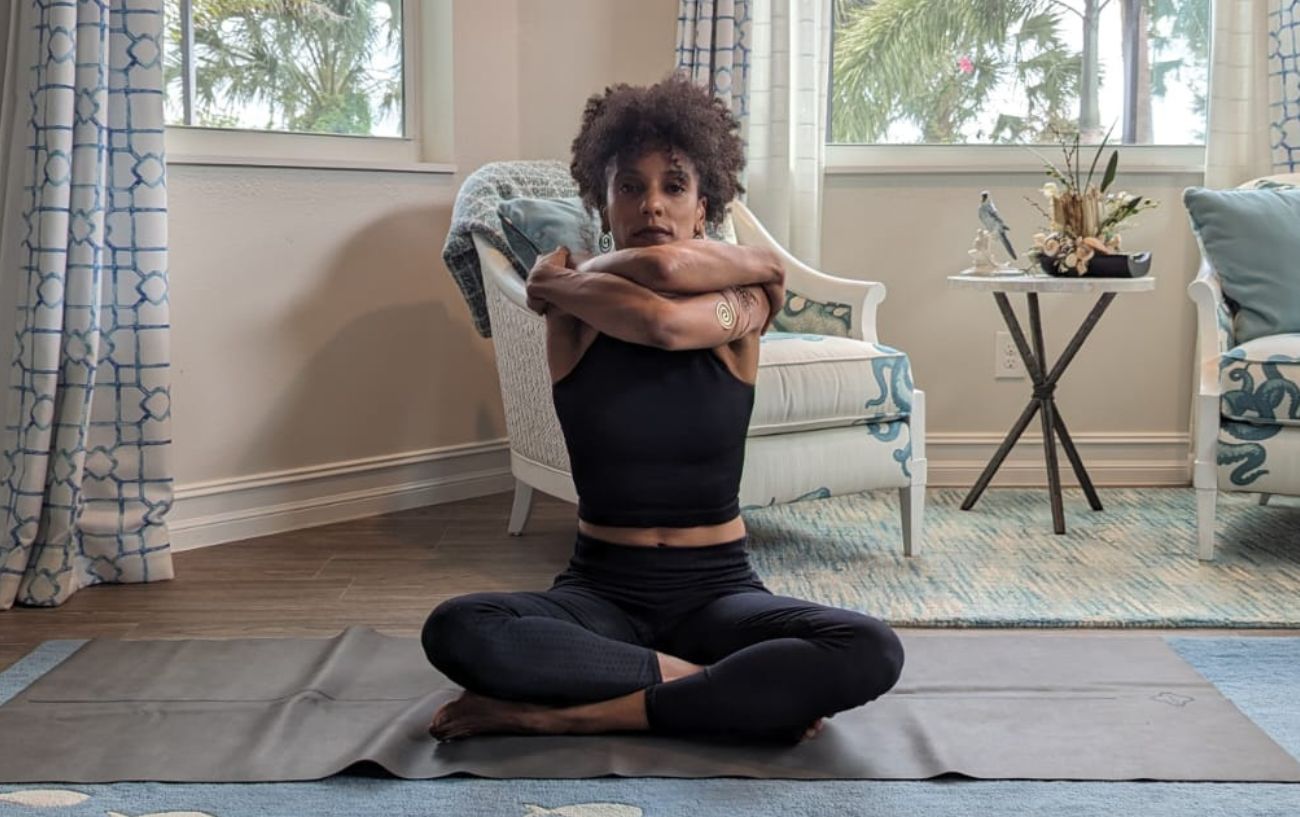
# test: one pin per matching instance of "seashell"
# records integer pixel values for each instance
(1097, 245)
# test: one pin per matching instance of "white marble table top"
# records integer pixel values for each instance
(1040, 282)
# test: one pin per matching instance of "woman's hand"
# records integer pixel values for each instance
(578, 257)
(775, 292)
(545, 269)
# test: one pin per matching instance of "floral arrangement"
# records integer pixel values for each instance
(1085, 220)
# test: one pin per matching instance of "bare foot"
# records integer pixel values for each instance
(472, 714)
(814, 730)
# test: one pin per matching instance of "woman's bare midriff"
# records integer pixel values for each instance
(667, 537)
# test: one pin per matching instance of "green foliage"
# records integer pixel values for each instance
(1187, 22)
(1111, 167)
(309, 62)
(901, 61)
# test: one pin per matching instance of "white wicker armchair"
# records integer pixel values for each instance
(1236, 447)
(835, 412)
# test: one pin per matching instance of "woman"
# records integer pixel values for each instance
(659, 623)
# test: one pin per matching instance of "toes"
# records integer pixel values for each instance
(815, 729)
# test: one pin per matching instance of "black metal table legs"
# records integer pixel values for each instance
(1043, 401)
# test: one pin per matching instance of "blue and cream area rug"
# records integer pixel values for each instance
(1132, 564)
(1259, 675)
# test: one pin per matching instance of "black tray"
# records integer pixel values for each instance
(1116, 265)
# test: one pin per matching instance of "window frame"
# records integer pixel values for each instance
(856, 159)
(426, 146)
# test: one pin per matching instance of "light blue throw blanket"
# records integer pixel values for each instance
(475, 211)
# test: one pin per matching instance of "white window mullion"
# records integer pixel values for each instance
(187, 59)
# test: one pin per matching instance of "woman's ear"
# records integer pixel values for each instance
(701, 209)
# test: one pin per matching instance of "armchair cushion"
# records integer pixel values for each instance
(1260, 381)
(1252, 238)
(535, 227)
(808, 381)
(803, 316)
(1259, 458)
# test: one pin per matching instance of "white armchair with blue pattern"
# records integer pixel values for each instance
(1247, 410)
(835, 410)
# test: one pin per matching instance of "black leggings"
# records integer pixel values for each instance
(773, 665)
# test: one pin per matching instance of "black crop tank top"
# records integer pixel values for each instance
(655, 437)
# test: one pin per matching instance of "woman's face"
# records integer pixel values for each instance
(653, 200)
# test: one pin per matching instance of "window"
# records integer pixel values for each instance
(307, 81)
(1018, 71)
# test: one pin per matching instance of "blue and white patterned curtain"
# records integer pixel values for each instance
(768, 59)
(713, 44)
(1284, 73)
(1254, 105)
(85, 482)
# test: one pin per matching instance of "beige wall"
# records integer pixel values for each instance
(571, 49)
(314, 321)
(1132, 377)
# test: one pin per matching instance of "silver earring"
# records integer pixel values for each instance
(606, 242)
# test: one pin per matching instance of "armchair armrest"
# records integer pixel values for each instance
(862, 297)
(495, 264)
(1214, 333)
(1214, 337)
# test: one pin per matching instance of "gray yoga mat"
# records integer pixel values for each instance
(1089, 707)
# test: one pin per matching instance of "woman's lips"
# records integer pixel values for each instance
(653, 235)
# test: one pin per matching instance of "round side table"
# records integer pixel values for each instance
(1044, 378)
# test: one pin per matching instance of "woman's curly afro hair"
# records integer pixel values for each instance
(674, 113)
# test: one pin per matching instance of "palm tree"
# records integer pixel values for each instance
(1181, 27)
(935, 63)
(309, 62)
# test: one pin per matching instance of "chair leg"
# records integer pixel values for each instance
(519, 510)
(911, 502)
(1205, 523)
(1263, 498)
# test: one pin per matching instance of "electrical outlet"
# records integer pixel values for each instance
(1007, 364)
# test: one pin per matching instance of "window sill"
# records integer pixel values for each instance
(872, 160)
(313, 163)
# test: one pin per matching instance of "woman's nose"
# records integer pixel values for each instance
(652, 203)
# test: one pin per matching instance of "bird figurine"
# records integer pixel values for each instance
(993, 222)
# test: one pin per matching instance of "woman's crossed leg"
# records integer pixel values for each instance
(748, 664)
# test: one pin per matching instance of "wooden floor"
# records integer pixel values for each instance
(385, 572)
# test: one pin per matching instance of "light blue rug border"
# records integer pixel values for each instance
(1261, 675)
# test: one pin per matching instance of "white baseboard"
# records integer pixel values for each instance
(227, 510)
(210, 513)
(1111, 459)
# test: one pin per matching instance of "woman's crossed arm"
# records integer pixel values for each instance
(621, 307)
